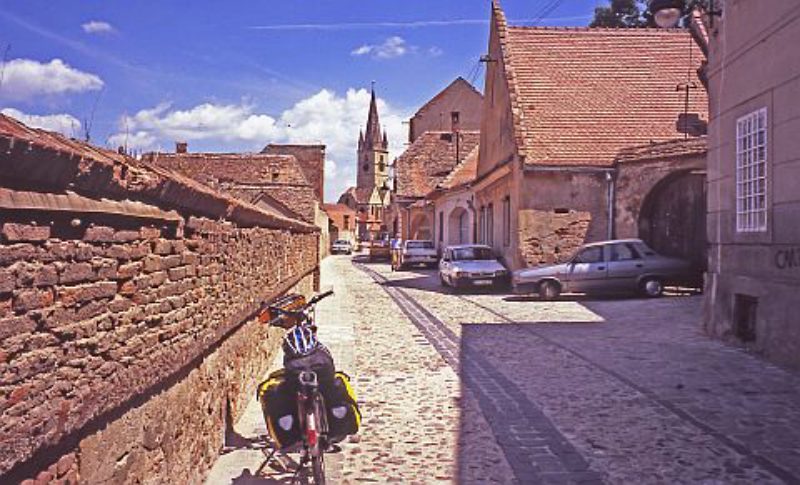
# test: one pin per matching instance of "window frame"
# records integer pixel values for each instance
(752, 172)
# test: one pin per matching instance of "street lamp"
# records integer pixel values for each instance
(667, 13)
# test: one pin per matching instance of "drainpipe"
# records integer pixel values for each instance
(611, 181)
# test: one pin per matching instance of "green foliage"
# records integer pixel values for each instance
(622, 13)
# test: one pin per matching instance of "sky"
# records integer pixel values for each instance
(235, 75)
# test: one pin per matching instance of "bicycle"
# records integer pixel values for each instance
(309, 400)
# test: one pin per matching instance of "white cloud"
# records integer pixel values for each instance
(391, 48)
(139, 140)
(97, 27)
(25, 79)
(62, 123)
(435, 51)
(324, 117)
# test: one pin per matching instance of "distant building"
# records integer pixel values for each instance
(343, 221)
(370, 195)
(459, 103)
(310, 159)
(453, 203)
(754, 173)
(418, 171)
(560, 105)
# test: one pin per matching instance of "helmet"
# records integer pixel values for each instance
(300, 340)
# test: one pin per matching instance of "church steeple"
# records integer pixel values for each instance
(373, 151)
(373, 136)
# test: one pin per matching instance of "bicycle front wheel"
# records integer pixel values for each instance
(318, 468)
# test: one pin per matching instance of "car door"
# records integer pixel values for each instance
(588, 270)
(625, 264)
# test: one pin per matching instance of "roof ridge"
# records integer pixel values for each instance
(583, 28)
(501, 24)
(443, 90)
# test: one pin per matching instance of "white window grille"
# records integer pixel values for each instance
(751, 172)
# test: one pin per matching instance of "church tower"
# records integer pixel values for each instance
(373, 153)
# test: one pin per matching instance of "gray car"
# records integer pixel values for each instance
(625, 265)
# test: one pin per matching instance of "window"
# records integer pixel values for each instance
(473, 253)
(365, 167)
(490, 224)
(751, 172)
(623, 252)
(441, 226)
(482, 225)
(347, 222)
(507, 221)
(590, 255)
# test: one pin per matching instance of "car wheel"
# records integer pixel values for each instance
(652, 287)
(549, 290)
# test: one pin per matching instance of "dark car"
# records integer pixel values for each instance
(625, 265)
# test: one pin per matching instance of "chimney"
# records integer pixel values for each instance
(454, 121)
(181, 147)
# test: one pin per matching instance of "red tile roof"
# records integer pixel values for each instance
(310, 159)
(51, 161)
(463, 174)
(579, 95)
(668, 149)
(430, 159)
(237, 168)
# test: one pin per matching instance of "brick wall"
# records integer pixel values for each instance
(127, 300)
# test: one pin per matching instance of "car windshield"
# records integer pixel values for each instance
(468, 254)
(341, 241)
(419, 244)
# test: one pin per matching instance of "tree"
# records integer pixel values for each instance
(622, 13)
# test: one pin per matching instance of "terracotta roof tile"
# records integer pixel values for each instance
(237, 168)
(430, 159)
(464, 173)
(580, 95)
(668, 149)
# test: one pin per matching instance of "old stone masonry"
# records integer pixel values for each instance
(487, 388)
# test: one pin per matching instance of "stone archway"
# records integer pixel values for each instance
(459, 229)
(672, 219)
(421, 227)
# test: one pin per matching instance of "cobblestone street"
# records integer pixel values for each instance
(483, 388)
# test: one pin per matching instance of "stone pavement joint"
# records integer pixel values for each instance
(505, 406)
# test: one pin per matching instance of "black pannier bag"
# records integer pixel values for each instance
(277, 396)
(344, 417)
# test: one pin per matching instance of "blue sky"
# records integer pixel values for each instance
(235, 75)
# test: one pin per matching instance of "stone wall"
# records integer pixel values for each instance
(546, 237)
(127, 304)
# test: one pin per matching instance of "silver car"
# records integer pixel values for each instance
(625, 265)
(471, 265)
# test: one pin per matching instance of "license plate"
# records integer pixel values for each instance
(482, 282)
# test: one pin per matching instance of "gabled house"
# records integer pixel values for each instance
(424, 164)
(559, 105)
(459, 103)
(453, 196)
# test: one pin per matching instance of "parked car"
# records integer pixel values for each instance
(625, 265)
(471, 265)
(341, 246)
(417, 252)
(379, 249)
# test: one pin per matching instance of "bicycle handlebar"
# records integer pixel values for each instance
(300, 314)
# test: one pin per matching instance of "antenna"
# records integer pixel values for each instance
(87, 129)
(3, 68)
